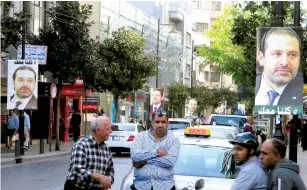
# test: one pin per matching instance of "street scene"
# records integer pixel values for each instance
(153, 95)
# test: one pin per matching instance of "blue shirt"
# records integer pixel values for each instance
(251, 176)
(12, 122)
(158, 172)
(27, 121)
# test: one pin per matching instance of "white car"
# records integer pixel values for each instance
(220, 128)
(122, 136)
(178, 123)
(198, 166)
(236, 121)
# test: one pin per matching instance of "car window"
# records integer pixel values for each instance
(178, 125)
(232, 121)
(203, 161)
(123, 127)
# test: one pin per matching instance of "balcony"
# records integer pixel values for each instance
(176, 15)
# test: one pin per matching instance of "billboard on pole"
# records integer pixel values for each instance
(22, 84)
(156, 99)
(191, 108)
(279, 79)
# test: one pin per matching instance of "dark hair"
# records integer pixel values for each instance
(159, 114)
(279, 147)
(279, 31)
(24, 67)
(160, 90)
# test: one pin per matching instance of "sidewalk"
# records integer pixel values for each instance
(8, 156)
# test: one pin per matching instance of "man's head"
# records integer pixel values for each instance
(11, 112)
(245, 146)
(192, 105)
(160, 123)
(101, 129)
(250, 120)
(24, 81)
(157, 96)
(279, 56)
(271, 152)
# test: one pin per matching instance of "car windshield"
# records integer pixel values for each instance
(202, 161)
(232, 121)
(178, 125)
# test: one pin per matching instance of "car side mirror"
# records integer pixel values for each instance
(199, 184)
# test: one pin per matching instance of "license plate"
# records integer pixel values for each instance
(115, 138)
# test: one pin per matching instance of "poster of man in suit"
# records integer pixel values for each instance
(22, 85)
(191, 108)
(156, 99)
(279, 80)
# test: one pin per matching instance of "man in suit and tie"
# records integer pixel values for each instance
(24, 83)
(281, 81)
(157, 97)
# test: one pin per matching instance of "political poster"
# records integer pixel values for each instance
(279, 71)
(22, 84)
(34, 53)
(156, 99)
(191, 108)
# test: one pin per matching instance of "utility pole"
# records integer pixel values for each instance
(295, 122)
(157, 56)
(192, 72)
(21, 129)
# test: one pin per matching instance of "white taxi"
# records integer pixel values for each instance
(199, 164)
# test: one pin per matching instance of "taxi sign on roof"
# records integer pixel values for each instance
(197, 131)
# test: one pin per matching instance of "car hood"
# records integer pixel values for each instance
(210, 183)
(182, 181)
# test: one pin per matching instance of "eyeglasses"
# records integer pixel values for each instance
(160, 113)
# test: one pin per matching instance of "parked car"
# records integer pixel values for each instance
(237, 121)
(122, 136)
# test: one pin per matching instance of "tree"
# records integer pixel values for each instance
(11, 27)
(125, 65)
(204, 97)
(71, 51)
(177, 95)
(224, 94)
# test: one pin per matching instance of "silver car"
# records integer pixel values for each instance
(122, 136)
(199, 165)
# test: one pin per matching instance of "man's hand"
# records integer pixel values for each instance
(105, 182)
(161, 153)
(138, 165)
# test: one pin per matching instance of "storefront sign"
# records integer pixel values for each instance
(90, 104)
(74, 90)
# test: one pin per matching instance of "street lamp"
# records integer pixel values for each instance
(173, 30)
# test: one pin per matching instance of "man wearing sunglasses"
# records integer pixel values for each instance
(154, 154)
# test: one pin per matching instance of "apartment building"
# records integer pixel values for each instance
(204, 14)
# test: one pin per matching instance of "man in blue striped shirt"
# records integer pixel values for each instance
(154, 154)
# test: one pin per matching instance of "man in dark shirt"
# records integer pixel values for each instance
(248, 126)
(75, 123)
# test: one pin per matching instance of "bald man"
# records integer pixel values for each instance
(248, 127)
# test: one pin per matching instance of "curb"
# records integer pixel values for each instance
(38, 157)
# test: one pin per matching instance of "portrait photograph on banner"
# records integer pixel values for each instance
(22, 85)
(156, 100)
(279, 70)
(191, 108)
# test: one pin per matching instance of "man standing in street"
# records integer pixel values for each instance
(75, 123)
(248, 127)
(91, 166)
(154, 154)
(12, 124)
(284, 174)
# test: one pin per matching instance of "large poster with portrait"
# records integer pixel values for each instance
(191, 108)
(156, 99)
(22, 84)
(279, 70)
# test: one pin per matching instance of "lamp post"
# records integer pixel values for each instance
(158, 40)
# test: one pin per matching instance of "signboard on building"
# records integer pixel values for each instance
(34, 52)
(22, 84)
(90, 104)
(279, 81)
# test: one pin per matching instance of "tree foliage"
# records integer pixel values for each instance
(71, 52)
(11, 26)
(233, 41)
(125, 65)
(177, 95)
